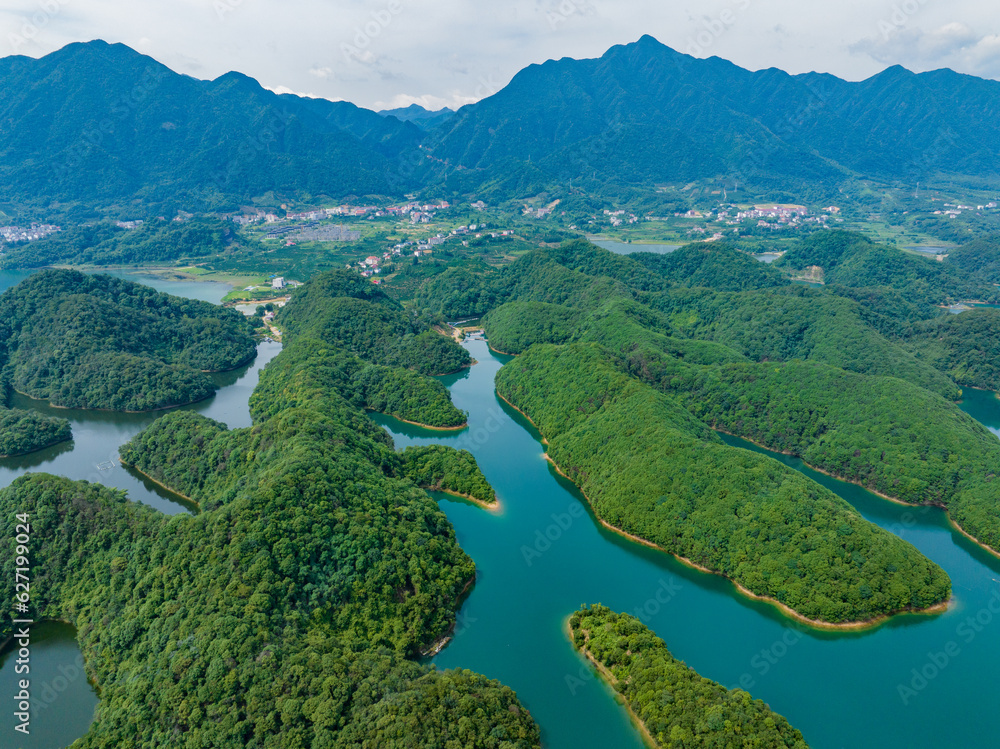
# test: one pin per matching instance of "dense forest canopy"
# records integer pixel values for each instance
(98, 342)
(288, 612)
(678, 707)
(651, 469)
(104, 244)
(799, 370)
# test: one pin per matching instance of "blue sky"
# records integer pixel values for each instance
(382, 53)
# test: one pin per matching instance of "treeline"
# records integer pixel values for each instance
(97, 342)
(677, 707)
(23, 432)
(288, 612)
(891, 437)
(104, 244)
(651, 469)
(446, 469)
(853, 260)
(352, 314)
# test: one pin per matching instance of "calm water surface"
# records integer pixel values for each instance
(543, 555)
(63, 701)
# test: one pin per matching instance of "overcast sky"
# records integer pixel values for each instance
(387, 53)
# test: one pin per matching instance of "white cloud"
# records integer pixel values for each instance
(448, 48)
(954, 45)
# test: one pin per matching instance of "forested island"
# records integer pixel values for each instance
(96, 342)
(287, 613)
(811, 372)
(674, 705)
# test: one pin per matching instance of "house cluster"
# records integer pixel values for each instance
(955, 210)
(617, 218)
(11, 234)
(129, 224)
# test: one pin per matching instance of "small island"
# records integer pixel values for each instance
(673, 705)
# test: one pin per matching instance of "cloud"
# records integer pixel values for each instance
(954, 45)
(320, 72)
(901, 44)
(286, 90)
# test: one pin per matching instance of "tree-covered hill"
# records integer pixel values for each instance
(980, 257)
(676, 706)
(105, 244)
(713, 265)
(651, 469)
(351, 313)
(854, 261)
(101, 124)
(99, 342)
(290, 612)
(798, 370)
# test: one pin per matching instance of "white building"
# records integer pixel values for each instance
(278, 283)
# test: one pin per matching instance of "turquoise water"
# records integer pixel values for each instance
(916, 682)
(63, 700)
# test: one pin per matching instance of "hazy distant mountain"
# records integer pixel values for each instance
(423, 118)
(100, 123)
(646, 113)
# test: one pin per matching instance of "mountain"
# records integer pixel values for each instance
(644, 113)
(425, 119)
(101, 124)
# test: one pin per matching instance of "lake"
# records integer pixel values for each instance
(543, 555)
(65, 701)
(623, 248)
(206, 291)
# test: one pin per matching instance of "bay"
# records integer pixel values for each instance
(543, 554)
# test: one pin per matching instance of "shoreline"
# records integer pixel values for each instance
(160, 484)
(788, 611)
(895, 500)
(427, 426)
(610, 680)
(114, 411)
(493, 507)
(442, 642)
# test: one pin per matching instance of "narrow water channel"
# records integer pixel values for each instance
(543, 555)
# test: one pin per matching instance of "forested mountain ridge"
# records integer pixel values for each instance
(652, 470)
(99, 342)
(288, 613)
(101, 124)
(645, 112)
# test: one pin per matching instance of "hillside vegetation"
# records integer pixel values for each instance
(97, 342)
(676, 706)
(651, 469)
(290, 611)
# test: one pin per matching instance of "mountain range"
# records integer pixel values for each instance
(99, 123)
